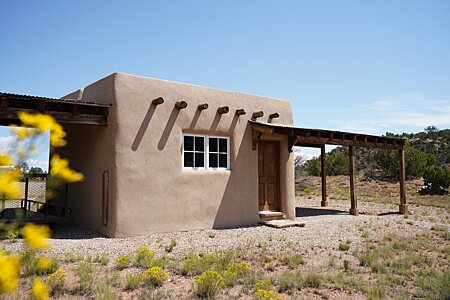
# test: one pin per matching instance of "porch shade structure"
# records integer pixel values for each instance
(318, 138)
(63, 110)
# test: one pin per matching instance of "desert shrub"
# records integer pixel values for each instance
(133, 281)
(263, 284)
(312, 280)
(144, 257)
(437, 176)
(123, 261)
(438, 228)
(101, 259)
(292, 261)
(346, 265)
(211, 235)
(236, 271)
(56, 281)
(169, 248)
(289, 281)
(433, 284)
(85, 276)
(208, 284)
(216, 261)
(155, 276)
(344, 247)
(104, 291)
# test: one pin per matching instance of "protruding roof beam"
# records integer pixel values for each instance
(180, 105)
(258, 114)
(158, 101)
(202, 106)
(223, 110)
(240, 112)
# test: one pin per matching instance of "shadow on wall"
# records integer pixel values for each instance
(143, 128)
(168, 129)
(240, 206)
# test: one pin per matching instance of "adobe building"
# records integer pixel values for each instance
(160, 156)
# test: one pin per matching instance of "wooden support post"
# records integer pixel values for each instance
(351, 171)
(324, 176)
(402, 207)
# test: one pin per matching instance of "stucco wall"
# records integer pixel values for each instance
(153, 192)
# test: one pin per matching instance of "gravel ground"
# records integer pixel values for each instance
(324, 229)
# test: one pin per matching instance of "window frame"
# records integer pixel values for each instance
(206, 152)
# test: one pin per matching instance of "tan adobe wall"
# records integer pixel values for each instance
(154, 193)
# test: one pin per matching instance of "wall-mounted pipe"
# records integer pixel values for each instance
(203, 106)
(158, 101)
(258, 114)
(223, 110)
(240, 112)
(180, 105)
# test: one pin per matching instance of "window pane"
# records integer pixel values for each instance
(223, 161)
(199, 143)
(213, 160)
(223, 145)
(212, 145)
(188, 159)
(199, 160)
(189, 143)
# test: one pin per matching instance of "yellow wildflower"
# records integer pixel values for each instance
(44, 263)
(21, 153)
(21, 132)
(60, 168)
(40, 290)
(45, 123)
(36, 236)
(9, 273)
(9, 183)
(5, 160)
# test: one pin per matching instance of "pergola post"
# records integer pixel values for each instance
(351, 171)
(323, 173)
(402, 206)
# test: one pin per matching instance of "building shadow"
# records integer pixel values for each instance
(301, 212)
(71, 232)
(233, 124)
(195, 119)
(143, 128)
(168, 129)
(215, 122)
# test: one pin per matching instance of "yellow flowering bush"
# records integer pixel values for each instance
(9, 273)
(123, 261)
(236, 271)
(9, 183)
(36, 236)
(267, 295)
(56, 280)
(60, 168)
(208, 284)
(144, 256)
(43, 123)
(40, 290)
(155, 276)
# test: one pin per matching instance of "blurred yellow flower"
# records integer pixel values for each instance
(5, 160)
(60, 168)
(44, 263)
(9, 183)
(36, 236)
(9, 273)
(21, 153)
(45, 123)
(40, 290)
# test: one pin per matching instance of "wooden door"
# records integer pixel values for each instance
(269, 175)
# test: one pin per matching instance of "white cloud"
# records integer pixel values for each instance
(6, 143)
(403, 110)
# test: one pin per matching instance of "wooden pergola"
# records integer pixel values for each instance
(318, 138)
(63, 110)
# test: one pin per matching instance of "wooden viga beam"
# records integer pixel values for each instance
(240, 112)
(180, 105)
(258, 114)
(158, 101)
(202, 106)
(223, 110)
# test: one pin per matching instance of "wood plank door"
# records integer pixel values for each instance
(269, 175)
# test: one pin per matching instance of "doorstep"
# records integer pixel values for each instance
(271, 215)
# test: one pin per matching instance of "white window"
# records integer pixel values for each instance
(202, 152)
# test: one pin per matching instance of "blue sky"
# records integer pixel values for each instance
(360, 66)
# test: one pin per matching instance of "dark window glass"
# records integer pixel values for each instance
(189, 143)
(199, 143)
(222, 145)
(212, 145)
(213, 160)
(222, 161)
(188, 159)
(199, 160)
